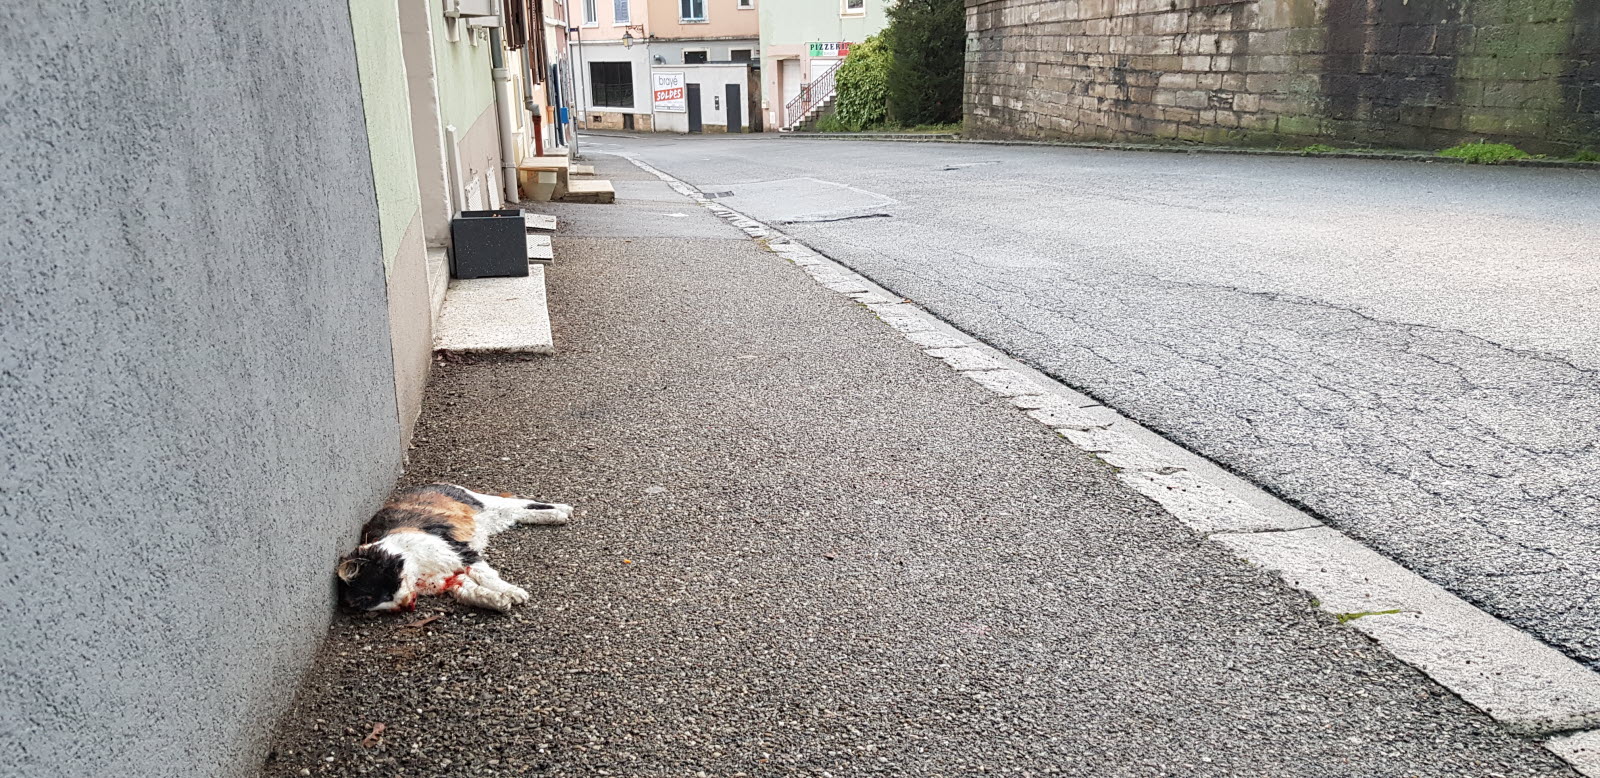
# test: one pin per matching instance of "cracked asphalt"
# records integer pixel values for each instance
(803, 547)
(1407, 350)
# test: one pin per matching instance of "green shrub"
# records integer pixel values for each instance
(1318, 148)
(862, 87)
(1484, 153)
(927, 42)
(1586, 155)
(831, 123)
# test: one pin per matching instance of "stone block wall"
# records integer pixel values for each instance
(1386, 73)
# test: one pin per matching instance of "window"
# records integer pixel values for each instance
(612, 84)
(747, 4)
(694, 57)
(853, 8)
(619, 12)
(738, 55)
(694, 10)
(591, 14)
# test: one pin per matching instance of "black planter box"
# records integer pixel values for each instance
(489, 244)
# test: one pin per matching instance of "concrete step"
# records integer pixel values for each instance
(540, 221)
(582, 170)
(495, 316)
(539, 249)
(590, 190)
(544, 178)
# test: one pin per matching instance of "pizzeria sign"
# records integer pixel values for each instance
(839, 49)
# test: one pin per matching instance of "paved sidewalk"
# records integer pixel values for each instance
(805, 548)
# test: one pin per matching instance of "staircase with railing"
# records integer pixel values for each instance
(813, 101)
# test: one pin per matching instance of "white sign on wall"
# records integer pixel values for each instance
(669, 92)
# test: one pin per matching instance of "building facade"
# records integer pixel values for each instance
(623, 45)
(802, 42)
(211, 372)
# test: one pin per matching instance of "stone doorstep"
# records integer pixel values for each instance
(540, 185)
(544, 178)
(595, 190)
(495, 316)
(539, 249)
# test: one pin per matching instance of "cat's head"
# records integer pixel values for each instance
(373, 579)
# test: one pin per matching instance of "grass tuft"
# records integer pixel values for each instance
(1586, 155)
(1318, 148)
(1481, 153)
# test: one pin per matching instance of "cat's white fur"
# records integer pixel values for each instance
(429, 557)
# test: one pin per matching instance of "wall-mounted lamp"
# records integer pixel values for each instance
(627, 35)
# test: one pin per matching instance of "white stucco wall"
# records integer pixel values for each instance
(713, 81)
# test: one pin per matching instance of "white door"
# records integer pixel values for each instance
(789, 83)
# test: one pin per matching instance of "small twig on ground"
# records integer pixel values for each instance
(423, 622)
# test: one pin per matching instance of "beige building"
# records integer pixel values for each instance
(638, 64)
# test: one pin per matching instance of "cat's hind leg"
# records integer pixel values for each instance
(523, 511)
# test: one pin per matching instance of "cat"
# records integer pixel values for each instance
(430, 540)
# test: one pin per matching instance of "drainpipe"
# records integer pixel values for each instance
(579, 101)
(528, 103)
(505, 104)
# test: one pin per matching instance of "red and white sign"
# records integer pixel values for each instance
(840, 49)
(669, 92)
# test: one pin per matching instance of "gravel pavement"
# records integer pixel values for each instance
(1407, 350)
(805, 548)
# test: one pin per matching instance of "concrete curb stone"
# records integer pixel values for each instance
(1387, 156)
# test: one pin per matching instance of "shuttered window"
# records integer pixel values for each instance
(612, 84)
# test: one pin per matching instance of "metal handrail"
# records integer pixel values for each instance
(812, 94)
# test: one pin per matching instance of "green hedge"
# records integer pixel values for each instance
(927, 42)
(862, 87)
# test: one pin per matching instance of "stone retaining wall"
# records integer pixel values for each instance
(1388, 73)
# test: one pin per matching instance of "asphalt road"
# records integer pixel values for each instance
(1409, 351)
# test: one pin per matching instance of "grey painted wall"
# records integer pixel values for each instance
(196, 396)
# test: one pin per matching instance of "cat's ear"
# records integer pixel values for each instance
(348, 568)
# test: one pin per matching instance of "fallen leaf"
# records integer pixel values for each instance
(372, 738)
(627, 561)
(424, 621)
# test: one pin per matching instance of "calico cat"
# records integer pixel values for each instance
(430, 540)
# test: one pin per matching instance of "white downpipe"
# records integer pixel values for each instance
(508, 144)
(505, 104)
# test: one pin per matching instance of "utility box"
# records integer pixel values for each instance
(489, 244)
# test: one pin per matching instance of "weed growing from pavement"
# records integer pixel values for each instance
(1586, 155)
(1346, 618)
(1481, 153)
(1319, 148)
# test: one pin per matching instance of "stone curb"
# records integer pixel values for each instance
(1174, 149)
(1530, 688)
